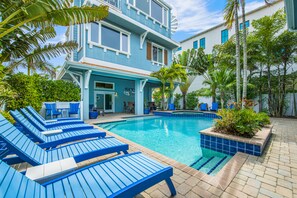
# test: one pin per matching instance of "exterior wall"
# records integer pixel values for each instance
(213, 37)
(120, 85)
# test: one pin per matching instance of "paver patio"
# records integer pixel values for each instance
(274, 174)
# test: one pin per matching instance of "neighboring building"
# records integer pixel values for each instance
(115, 56)
(219, 34)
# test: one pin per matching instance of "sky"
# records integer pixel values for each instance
(193, 17)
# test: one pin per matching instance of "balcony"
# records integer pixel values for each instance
(113, 4)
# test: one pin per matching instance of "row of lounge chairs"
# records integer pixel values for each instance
(44, 143)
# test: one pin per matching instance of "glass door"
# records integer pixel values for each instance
(100, 101)
(108, 102)
(104, 101)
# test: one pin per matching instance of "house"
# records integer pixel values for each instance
(115, 56)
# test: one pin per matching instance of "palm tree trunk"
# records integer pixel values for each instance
(163, 97)
(28, 70)
(244, 91)
(260, 92)
(237, 54)
(184, 101)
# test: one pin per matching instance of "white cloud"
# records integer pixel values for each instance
(194, 15)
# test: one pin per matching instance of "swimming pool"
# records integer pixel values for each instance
(174, 137)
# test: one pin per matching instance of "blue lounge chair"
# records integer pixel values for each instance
(56, 138)
(73, 109)
(203, 107)
(34, 154)
(54, 126)
(124, 176)
(214, 106)
(37, 116)
(51, 110)
(61, 122)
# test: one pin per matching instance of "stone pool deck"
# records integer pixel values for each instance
(274, 174)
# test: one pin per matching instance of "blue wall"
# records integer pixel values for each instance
(120, 85)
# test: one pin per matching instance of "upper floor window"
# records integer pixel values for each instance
(152, 8)
(195, 44)
(247, 25)
(80, 36)
(109, 37)
(179, 49)
(113, 2)
(202, 43)
(224, 36)
(157, 54)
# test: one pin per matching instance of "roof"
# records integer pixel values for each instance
(223, 24)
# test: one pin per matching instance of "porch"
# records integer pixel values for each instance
(110, 90)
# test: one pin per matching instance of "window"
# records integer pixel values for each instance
(157, 11)
(179, 49)
(152, 8)
(103, 85)
(247, 25)
(195, 44)
(202, 43)
(110, 37)
(224, 36)
(143, 5)
(157, 54)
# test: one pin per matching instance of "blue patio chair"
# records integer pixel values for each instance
(73, 109)
(123, 176)
(203, 107)
(54, 126)
(34, 154)
(214, 106)
(41, 119)
(231, 106)
(51, 110)
(43, 122)
(56, 138)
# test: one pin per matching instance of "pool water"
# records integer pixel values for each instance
(175, 137)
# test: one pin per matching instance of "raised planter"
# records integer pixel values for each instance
(146, 111)
(231, 144)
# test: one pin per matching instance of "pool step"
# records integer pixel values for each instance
(209, 165)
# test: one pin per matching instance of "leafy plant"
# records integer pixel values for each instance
(177, 98)
(8, 117)
(243, 122)
(192, 100)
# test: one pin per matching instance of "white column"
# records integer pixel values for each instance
(85, 98)
(138, 98)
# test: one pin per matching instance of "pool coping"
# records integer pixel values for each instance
(221, 180)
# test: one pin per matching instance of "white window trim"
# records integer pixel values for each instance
(79, 38)
(99, 44)
(164, 8)
(113, 85)
(163, 54)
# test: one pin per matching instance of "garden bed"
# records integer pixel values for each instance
(231, 144)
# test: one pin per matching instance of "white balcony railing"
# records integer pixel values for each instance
(113, 4)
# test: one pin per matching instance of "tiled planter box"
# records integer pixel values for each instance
(231, 144)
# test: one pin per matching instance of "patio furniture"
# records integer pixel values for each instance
(231, 106)
(51, 110)
(203, 107)
(34, 154)
(54, 126)
(53, 138)
(131, 107)
(171, 107)
(152, 106)
(214, 106)
(123, 176)
(73, 109)
(38, 117)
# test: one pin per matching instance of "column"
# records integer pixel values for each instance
(86, 93)
(138, 98)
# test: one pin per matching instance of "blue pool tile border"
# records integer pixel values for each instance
(187, 114)
(230, 147)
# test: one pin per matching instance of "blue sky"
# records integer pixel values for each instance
(193, 16)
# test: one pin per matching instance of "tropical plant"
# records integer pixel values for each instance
(184, 87)
(169, 75)
(177, 98)
(231, 15)
(211, 82)
(6, 92)
(242, 122)
(192, 100)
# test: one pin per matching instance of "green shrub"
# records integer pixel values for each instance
(177, 98)
(192, 100)
(34, 90)
(7, 115)
(243, 122)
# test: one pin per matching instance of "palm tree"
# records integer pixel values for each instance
(45, 13)
(169, 75)
(209, 79)
(244, 44)
(230, 15)
(184, 87)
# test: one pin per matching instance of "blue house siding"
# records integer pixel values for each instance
(120, 85)
(137, 59)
